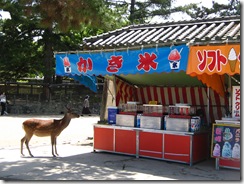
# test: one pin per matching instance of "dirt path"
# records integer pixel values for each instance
(77, 132)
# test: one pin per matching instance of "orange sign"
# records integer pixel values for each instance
(221, 59)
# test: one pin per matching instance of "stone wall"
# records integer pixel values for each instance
(23, 102)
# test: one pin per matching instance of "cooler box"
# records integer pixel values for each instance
(126, 120)
(177, 124)
(151, 122)
(112, 111)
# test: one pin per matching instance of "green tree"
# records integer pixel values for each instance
(59, 24)
(143, 11)
(18, 51)
(217, 9)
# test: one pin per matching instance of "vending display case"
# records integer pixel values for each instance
(153, 110)
(182, 109)
(131, 108)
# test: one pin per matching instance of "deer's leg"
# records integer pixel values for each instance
(55, 146)
(28, 138)
(53, 141)
(21, 145)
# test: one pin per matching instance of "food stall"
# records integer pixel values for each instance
(155, 113)
(174, 137)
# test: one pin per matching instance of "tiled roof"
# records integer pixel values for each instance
(200, 32)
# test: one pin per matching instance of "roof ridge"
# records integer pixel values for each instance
(222, 29)
(198, 21)
(153, 25)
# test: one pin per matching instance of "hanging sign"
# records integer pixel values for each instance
(236, 101)
(226, 141)
(147, 60)
(221, 59)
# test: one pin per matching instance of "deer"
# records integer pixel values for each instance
(43, 128)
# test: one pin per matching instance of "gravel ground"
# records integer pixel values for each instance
(77, 161)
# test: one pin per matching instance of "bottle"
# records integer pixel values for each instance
(138, 120)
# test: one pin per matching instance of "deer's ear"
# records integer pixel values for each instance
(68, 108)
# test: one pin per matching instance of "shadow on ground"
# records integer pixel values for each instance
(106, 166)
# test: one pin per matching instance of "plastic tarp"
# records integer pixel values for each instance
(149, 61)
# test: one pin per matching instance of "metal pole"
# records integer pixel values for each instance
(230, 96)
(208, 115)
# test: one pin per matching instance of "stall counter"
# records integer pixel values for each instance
(184, 147)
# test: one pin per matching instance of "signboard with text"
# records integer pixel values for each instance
(141, 61)
(221, 59)
(236, 101)
(226, 142)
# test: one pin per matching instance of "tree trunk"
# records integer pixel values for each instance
(132, 11)
(48, 63)
(104, 100)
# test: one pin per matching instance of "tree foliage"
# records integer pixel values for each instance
(19, 54)
(217, 9)
(37, 28)
(143, 11)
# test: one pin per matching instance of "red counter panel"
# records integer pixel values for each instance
(236, 164)
(104, 138)
(189, 148)
(177, 147)
(200, 147)
(151, 144)
(125, 141)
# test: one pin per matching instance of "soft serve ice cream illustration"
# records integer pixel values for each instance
(226, 150)
(232, 59)
(227, 135)
(216, 151)
(236, 151)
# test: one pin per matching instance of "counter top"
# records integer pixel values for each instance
(113, 126)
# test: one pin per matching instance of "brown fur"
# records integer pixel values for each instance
(41, 128)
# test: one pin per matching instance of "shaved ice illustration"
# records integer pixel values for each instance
(67, 65)
(227, 135)
(216, 151)
(226, 150)
(236, 151)
(174, 58)
(232, 59)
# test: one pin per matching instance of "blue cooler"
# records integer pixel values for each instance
(112, 111)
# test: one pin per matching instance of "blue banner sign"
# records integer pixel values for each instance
(147, 60)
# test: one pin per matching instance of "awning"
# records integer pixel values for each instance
(210, 63)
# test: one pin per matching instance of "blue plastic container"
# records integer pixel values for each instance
(112, 111)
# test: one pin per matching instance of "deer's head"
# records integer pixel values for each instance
(71, 113)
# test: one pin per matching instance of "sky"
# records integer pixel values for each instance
(177, 17)
(206, 3)
(181, 16)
